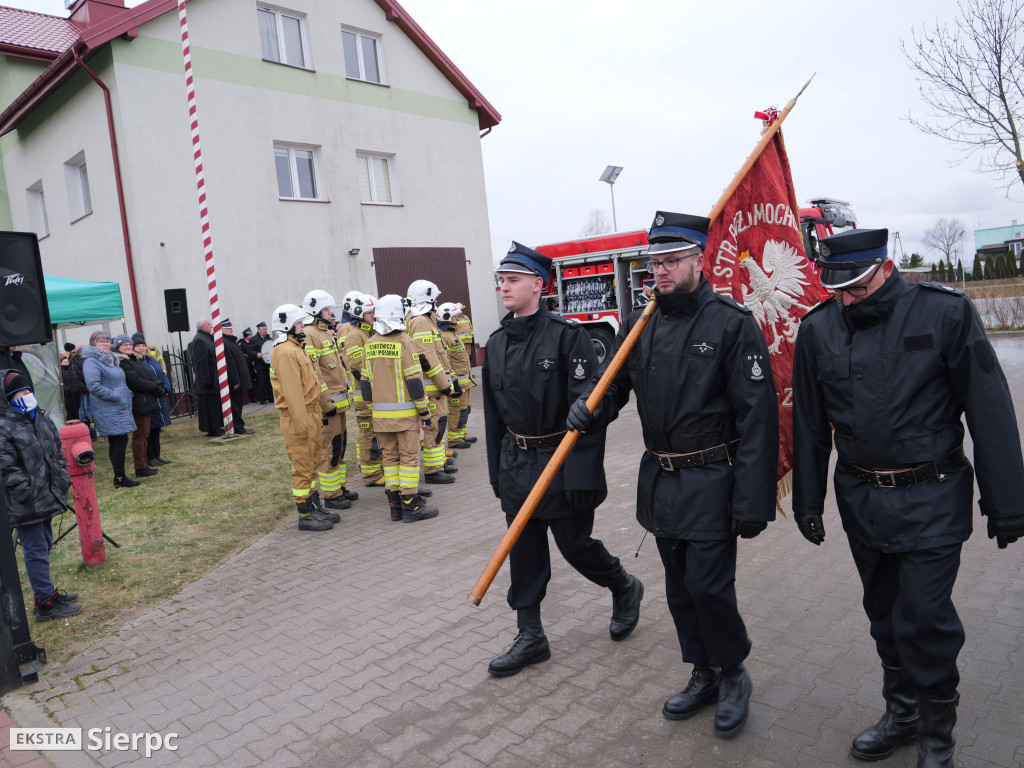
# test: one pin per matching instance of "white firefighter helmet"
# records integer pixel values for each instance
(362, 304)
(389, 314)
(422, 296)
(316, 301)
(286, 316)
(447, 313)
(346, 301)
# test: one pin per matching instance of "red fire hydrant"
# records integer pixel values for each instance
(79, 455)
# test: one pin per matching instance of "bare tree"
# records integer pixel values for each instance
(945, 237)
(971, 77)
(597, 224)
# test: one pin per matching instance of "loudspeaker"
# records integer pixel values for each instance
(24, 313)
(177, 309)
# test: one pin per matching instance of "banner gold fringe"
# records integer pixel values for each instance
(784, 487)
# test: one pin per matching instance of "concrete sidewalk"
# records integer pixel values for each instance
(357, 647)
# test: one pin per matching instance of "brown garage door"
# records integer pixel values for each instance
(445, 267)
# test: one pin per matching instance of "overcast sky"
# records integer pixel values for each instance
(668, 90)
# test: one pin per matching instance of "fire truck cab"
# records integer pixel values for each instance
(822, 218)
(598, 281)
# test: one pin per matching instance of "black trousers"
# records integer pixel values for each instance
(237, 401)
(700, 587)
(263, 388)
(908, 597)
(530, 559)
(117, 446)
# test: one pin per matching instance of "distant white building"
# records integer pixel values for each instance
(341, 149)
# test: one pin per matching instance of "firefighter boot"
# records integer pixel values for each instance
(898, 726)
(318, 506)
(413, 509)
(529, 647)
(627, 592)
(308, 521)
(935, 735)
(348, 495)
(56, 606)
(439, 477)
(699, 692)
(733, 701)
(395, 502)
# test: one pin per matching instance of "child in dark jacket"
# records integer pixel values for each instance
(36, 482)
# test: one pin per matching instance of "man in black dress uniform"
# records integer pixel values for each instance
(253, 348)
(893, 366)
(536, 365)
(709, 412)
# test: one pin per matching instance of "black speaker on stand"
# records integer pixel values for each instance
(24, 312)
(177, 310)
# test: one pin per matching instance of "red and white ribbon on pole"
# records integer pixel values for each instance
(204, 217)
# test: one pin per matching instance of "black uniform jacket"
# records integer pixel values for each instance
(535, 367)
(894, 376)
(238, 367)
(203, 352)
(702, 377)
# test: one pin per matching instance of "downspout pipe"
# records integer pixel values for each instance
(120, 188)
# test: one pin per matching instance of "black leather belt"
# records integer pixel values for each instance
(526, 442)
(891, 478)
(670, 461)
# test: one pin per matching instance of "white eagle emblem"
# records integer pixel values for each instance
(775, 289)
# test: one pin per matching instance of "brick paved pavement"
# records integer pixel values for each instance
(357, 648)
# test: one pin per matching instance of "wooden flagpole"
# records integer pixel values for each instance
(569, 440)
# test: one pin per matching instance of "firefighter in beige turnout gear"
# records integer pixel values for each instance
(323, 351)
(458, 354)
(360, 329)
(391, 381)
(299, 395)
(431, 353)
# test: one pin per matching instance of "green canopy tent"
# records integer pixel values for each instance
(71, 303)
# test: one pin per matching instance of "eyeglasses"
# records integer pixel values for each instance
(855, 290)
(103, 341)
(669, 264)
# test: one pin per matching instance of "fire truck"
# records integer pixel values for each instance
(598, 281)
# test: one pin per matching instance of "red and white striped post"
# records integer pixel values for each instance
(204, 217)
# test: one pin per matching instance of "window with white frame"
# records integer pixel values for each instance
(76, 175)
(37, 210)
(364, 56)
(378, 182)
(299, 174)
(283, 36)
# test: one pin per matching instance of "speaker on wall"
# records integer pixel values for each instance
(24, 313)
(177, 309)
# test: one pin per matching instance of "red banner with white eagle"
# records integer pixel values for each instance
(756, 255)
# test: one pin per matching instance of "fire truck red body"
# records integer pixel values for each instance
(598, 281)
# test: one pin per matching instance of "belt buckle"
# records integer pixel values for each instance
(521, 442)
(665, 462)
(881, 475)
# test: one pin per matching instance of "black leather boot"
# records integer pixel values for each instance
(699, 692)
(318, 510)
(413, 509)
(733, 701)
(627, 591)
(395, 502)
(529, 647)
(898, 726)
(309, 519)
(935, 735)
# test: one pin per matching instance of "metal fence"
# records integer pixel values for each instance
(182, 397)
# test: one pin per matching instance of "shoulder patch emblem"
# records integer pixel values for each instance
(703, 348)
(753, 367)
(579, 371)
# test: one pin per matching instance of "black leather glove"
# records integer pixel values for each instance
(332, 412)
(456, 388)
(161, 392)
(446, 391)
(748, 529)
(812, 527)
(1005, 530)
(582, 499)
(425, 418)
(580, 418)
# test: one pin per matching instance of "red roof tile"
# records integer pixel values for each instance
(36, 31)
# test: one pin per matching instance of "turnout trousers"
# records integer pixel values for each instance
(700, 587)
(530, 558)
(368, 457)
(433, 436)
(908, 597)
(303, 452)
(400, 457)
(333, 442)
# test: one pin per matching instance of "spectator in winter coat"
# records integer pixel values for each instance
(145, 390)
(111, 401)
(161, 417)
(36, 482)
(72, 381)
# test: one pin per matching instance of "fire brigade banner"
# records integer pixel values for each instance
(756, 256)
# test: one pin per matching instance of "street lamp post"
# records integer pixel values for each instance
(611, 173)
